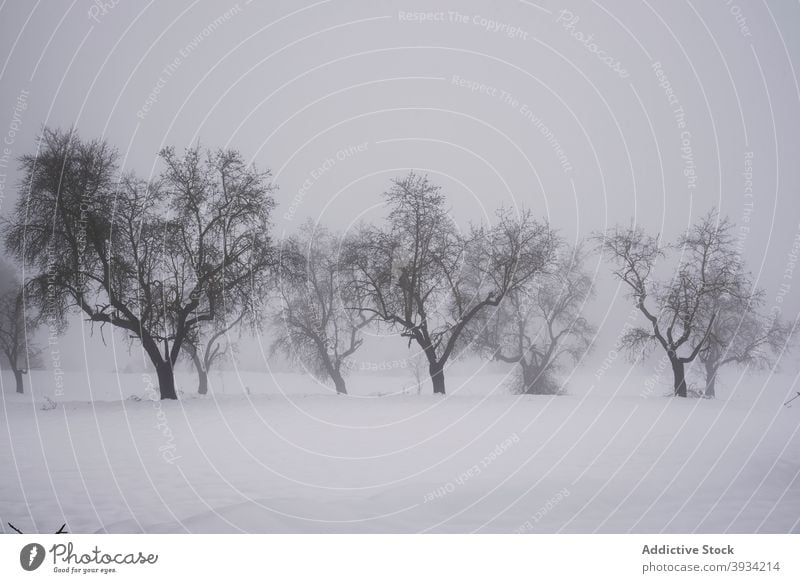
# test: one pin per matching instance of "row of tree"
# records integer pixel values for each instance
(182, 262)
(708, 309)
(446, 292)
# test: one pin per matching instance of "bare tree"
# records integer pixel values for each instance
(741, 335)
(422, 276)
(239, 309)
(320, 331)
(209, 345)
(679, 310)
(151, 259)
(540, 325)
(17, 349)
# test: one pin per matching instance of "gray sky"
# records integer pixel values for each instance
(601, 114)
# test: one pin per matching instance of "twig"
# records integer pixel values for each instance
(786, 404)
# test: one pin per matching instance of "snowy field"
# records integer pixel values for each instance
(256, 456)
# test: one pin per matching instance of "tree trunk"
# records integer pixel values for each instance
(202, 382)
(202, 372)
(18, 378)
(437, 378)
(338, 382)
(711, 380)
(528, 379)
(679, 374)
(536, 381)
(166, 380)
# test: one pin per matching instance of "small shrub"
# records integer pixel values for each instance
(49, 404)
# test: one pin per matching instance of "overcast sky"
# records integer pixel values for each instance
(599, 114)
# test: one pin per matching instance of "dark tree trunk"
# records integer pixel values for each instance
(338, 382)
(528, 379)
(163, 366)
(166, 380)
(202, 382)
(679, 373)
(18, 378)
(535, 381)
(711, 380)
(202, 372)
(437, 378)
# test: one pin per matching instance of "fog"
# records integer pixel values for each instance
(608, 113)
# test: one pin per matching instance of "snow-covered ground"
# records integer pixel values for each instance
(280, 453)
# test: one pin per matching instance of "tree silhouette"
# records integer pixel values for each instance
(539, 326)
(320, 331)
(17, 324)
(679, 310)
(420, 275)
(153, 259)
